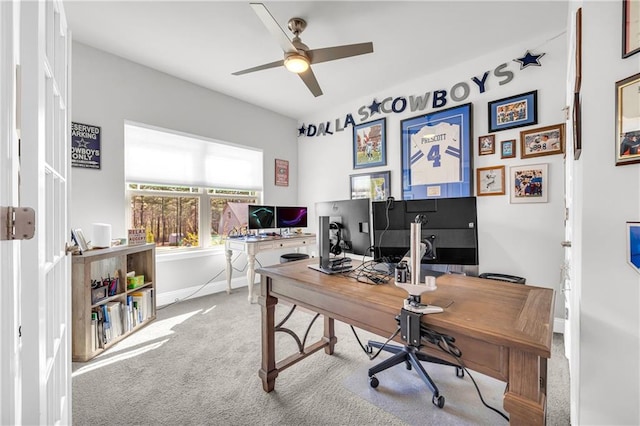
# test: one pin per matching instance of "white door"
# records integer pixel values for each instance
(572, 238)
(38, 317)
(10, 405)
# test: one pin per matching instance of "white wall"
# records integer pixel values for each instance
(609, 196)
(518, 239)
(107, 90)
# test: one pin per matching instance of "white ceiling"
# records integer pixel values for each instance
(205, 41)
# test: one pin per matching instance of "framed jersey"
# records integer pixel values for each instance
(437, 154)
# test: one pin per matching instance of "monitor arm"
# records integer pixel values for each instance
(415, 287)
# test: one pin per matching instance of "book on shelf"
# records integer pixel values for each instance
(114, 313)
(128, 314)
(143, 300)
(94, 332)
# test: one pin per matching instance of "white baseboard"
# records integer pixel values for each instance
(558, 325)
(168, 297)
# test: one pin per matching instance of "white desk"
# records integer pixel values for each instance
(254, 245)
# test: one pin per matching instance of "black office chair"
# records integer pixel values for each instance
(410, 354)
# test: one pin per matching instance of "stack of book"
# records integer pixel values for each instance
(106, 324)
(113, 319)
(142, 305)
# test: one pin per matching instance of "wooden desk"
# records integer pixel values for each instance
(253, 246)
(503, 330)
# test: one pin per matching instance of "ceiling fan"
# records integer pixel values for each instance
(298, 58)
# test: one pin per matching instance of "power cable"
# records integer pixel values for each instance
(210, 281)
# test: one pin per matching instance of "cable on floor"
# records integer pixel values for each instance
(210, 281)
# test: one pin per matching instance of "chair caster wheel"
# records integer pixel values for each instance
(373, 382)
(438, 401)
(459, 372)
(408, 365)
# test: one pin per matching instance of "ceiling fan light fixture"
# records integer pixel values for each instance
(296, 63)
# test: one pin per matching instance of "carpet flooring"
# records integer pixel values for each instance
(197, 364)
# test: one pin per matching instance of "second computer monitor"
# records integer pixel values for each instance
(351, 222)
(449, 229)
(291, 217)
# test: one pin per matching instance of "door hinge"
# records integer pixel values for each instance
(17, 223)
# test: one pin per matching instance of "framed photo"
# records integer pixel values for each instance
(508, 149)
(633, 245)
(437, 154)
(374, 186)
(577, 127)
(487, 145)
(628, 120)
(78, 237)
(515, 111)
(529, 183)
(630, 28)
(490, 180)
(542, 141)
(282, 172)
(578, 53)
(370, 144)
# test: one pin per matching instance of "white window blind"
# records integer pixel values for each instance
(166, 158)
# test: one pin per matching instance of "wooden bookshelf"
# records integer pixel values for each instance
(100, 264)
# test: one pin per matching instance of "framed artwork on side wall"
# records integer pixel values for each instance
(577, 126)
(529, 183)
(508, 149)
(630, 28)
(370, 144)
(490, 180)
(547, 140)
(628, 120)
(375, 186)
(514, 111)
(487, 145)
(282, 172)
(633, 245)
(437, 154)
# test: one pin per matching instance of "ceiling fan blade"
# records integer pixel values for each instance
(272, 25)
(260, 67)
(339, 52)
(309, 79)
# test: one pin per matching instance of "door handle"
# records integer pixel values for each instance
(565, 243)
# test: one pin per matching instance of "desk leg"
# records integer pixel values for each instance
(525, 400)
(251, 274)
(329, 335)
(229, 269)
(268, 371)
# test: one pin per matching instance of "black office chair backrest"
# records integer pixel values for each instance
(503, 277)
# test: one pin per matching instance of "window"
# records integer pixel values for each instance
(182, 188)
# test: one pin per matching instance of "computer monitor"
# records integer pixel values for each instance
(291, 217)
(449, 229)
(261, 217)
(351, 218)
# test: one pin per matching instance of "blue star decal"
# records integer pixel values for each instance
(374, 107)
(302, 130)
(82, 143)
(529, 59)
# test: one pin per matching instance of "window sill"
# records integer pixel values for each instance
(170, 256)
